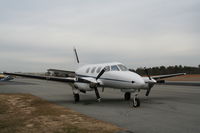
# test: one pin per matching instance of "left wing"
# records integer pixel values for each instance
(69, 73)
(60, 79)
(167, 76)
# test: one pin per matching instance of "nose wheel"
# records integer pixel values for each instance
(136, 101)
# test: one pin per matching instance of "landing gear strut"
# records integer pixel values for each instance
(76, 98)
(136, 101)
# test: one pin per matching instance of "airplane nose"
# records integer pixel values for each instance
(139, 83)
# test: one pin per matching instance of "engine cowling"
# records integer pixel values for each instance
(83, 86)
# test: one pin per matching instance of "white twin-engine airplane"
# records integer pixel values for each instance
(113, 75)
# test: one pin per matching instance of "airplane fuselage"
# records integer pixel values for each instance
(116, 76)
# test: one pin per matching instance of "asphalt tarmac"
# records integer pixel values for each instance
(168, 109)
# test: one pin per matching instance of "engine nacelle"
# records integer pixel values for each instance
(83, 86)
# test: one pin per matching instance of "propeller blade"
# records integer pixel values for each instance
(102, 89)
(149, 88)
(77, 59)
(101, 73)
(97, 94)
(96, 90)
(147, 73)
(148, 91)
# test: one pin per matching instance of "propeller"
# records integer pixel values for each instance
(95, 84)
(147, 73)
(101, 73)
(76, 54)
(95, 88)
(149, 89)
(102, 89)
(97, 94)
(149, 84)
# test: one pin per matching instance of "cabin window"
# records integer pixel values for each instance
(98, 69)
(107, 68)
(122, 67)
(93, 69)
(114, 68)
(87, 70)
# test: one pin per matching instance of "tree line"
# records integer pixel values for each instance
(161, 70)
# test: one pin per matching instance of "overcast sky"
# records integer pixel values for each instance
(39, 34)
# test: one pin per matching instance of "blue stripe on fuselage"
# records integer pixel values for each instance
(105, 78)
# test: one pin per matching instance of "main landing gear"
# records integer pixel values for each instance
(136, 101)
(76, 97)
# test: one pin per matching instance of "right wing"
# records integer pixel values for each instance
(167, 76)
(60, 79)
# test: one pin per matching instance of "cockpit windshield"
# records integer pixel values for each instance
(122, 67)
(114, 68)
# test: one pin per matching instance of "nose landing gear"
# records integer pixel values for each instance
(136, 101)
(127, 96)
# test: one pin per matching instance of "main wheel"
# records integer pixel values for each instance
(136, 102)
(127, 96)
(76, 98)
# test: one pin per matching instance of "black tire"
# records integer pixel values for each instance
(136, 103)
(127, 96)
(76, 98)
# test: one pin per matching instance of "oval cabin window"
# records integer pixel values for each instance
(93, 69)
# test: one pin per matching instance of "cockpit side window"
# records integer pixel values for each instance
(122, 67)
(107, 68)
(98, 69)
(114, 68)
(93, 69)
(88, 69)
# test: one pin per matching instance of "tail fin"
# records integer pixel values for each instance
(76, 55)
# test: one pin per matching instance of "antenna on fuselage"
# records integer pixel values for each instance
(76, 55)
